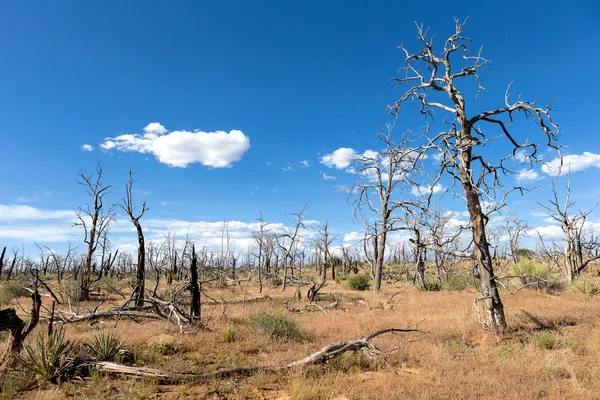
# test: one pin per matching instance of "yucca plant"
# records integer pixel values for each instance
(105, 347)
(49, 357)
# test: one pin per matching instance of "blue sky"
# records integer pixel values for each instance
(298, 79)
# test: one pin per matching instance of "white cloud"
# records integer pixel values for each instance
(155, 127)
(328, 177)
(19, 212)
(305, 163)
(422, 190)
(287, 168)
(527, 175)
(180, 148)
(353, 237)
(87, 147)
(438, 156)
(573, 162)
(340, 158)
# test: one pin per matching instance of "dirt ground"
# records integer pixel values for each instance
(551, 350)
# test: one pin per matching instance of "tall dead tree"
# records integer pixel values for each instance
(194, 286)
(2, 261)
(433, 81)
(581, 245)
(135, 217)
(386, 175)
(95, 221)
(516, 229)
(323, 242)
(287, 243)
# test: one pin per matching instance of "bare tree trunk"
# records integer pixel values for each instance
(2, 261)
(494, 309)
(141, 267)
(194, 287)
(379, 259)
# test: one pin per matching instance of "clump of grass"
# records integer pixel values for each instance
(228, 335)
(49, 357)
(164, 345)
(301, 391)
(358, 282)
(545, 340)
(585, 286)
(11, 290)
(105, 346)
(276, 327)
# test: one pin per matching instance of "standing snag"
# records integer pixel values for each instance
(95, 222)
(128, 207)
(433, 81)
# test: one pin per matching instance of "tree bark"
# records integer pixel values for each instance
(194, 287)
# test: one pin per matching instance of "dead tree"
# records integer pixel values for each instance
(129, 208)
(581, 245)
(388, 175)
(194, 287)
(2, 261)
(433, 81)
(260, 238)
(325, 238)
(287, 243)
(95, 221)
(10, 321)
(515, 229)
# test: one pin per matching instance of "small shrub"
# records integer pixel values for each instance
(50, 358)
(105, 346)
(585, 286)
(228, 335)
(353, 362)
(530, 267)
(164, 345)
(276, 327)
(433, 286)
(11, 290)
(544, 340)
(358, 282)
(459, 282)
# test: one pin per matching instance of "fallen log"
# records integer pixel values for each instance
(319, 357)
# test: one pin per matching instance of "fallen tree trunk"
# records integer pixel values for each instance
(318, 357)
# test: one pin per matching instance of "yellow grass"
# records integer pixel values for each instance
(454, 359)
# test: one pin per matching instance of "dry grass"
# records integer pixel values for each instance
(552, 350)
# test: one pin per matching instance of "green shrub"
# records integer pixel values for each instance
(228, 335)
(11, 290)
(50, 357)
(544, 340)
(358, 282)
(433, 286)
(105, 346)
(164, 348)
(276, 327)
(530, 267)
(459, 281)
(585, 286)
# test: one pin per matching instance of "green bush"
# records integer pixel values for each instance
(530, 267)
(358, 282)
(228, 335)
(276, 327)
(585, 286)
(105, 346)
(459, 281)
(50, 358)
(433, 286)
(544, 340)
(11, 290)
